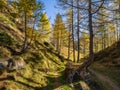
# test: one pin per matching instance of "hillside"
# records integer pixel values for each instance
(34, 45)
(40, 67)
(110, 57)
(107, 65)
(44, 67)
(42, 61)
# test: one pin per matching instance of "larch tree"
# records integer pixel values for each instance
(44, 28)
(78, 31)
(91, 11)
(91, 8)
(72, 27)
(69, 4)
(69, 25)
(59, 33)
(26, 9)
(84, 39)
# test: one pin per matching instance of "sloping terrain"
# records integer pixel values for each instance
(106, 80)
(43, 68)
(107, 64)
(110, 57)
(10, 36)
(42, 61)
(36, 73)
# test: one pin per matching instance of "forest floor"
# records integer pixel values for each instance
(57, 82)
(107, 77)
(106, 80)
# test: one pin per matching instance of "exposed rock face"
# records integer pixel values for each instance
(18, 63)
(12, 63)
(3, 64)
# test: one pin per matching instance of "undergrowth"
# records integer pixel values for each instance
(112, 73)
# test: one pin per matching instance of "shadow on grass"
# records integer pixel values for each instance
(11, 78)
(29, 80)
(48, 48)
(60, 83)
(54, 81)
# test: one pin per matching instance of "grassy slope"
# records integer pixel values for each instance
(112, 73)
(110, 57)
(108, 62)
(44, 67)
(42, 62)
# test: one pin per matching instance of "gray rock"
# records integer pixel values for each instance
(4, 64)
(18, 63)
(12, 63)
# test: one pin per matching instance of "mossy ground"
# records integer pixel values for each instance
(44, 66)
(40, 70)
(112, 73)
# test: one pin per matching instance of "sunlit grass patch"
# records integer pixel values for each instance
(84, 85)
(65, 87)
(6, 20)
(4, 53)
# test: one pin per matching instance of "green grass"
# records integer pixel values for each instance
(4, 53)
(6, 39)
(6, 20)
(66, 87)
(112, 73)
(41, 62)
(39, 72)
(102, 85)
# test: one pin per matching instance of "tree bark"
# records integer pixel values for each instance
(91, 35)
(78, 31)
(73, 35)
(69, 42)
(25, 36)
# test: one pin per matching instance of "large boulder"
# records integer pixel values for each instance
(3, 64)
(12, 63)
(18, 63)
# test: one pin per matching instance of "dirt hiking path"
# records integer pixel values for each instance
(106, 80)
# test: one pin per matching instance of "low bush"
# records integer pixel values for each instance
(5, 39)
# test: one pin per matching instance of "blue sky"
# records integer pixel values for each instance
(50, 9)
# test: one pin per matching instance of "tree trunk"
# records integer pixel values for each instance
(57, 44)
(69, 43)
(89, 61)
(60, 46)
(25, 37)
(119, 22)
(73, 35)
(91, 35)
(84, 50)
(78, 31)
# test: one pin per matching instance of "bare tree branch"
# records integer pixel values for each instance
(98, 7)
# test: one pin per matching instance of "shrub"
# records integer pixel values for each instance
(5, 39)
(4, 52)
(46, 44)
